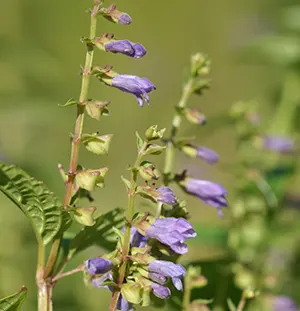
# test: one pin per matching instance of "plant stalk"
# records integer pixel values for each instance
(127, 233)
(177, 119)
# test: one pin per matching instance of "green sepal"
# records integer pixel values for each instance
(154, 149)
(132, 292)
(95, 108)
(70, 102)
(14, 302)
(88, 179)
(148, 171)
(231, 305)
(111, 13)
(152, 133)
(85, 215)
(98, 144)
(120, 235)
(201, 85)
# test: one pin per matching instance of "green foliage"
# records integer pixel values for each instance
(101, 234)
(13, 302)
(35, 200)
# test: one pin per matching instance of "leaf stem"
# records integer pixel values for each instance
(128, 225)
(68, 273)
(170, 150)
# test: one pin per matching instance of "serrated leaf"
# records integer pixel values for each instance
(39, 205)
(13, 302)
(231, 305)
(70, 102)
(101, 234)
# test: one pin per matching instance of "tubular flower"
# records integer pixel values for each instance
(278, 144)
(98, 265)
(160, 291)
(168, 269)
(166, 196)
(207, 155)
(126, 47)
(140, 87)
(172, 232)
(283, 303)
(124, 19)
(209, 192)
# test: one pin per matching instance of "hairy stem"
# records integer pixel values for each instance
(128, 225)
(170, 150)
(45, 286)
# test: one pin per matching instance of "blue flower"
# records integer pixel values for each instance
(98, 281)
(124, 305)
(168, 269)
(98, 265)
(172, 232)
(283, 303)
(124, 19)
(140, 87)
(126, 47)
(207, 155)
(166, 196)
(278, 144)
(209, 192)
(137, 239)
(160, 291)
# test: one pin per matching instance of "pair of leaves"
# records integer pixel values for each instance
(34, 199)
(13, 302)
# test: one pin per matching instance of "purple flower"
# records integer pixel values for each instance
(124, 305)
(166, 196)
(207, 155)
(140, 87)
(278, 144)
(137, 239)
(124, 19)
(160, 291)
(98, 265)
(172, 232)
(126, 47)
(209, 192)
(283, 303)
(168, 269)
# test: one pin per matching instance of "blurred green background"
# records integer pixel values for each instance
(40, 58)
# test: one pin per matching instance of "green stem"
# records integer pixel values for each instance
(186, 294)
(128, 225)
(242, 304)
(44, 285)
(68, 273)
(177, 119)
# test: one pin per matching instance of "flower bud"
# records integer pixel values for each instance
(194, 116)
(98, 265)
(95, 108)
(154, 149)
(84, 215)
(200, 65)
(112, 14)
(152, 133)
(163, 195)
(96, 143)
(148, 171)
(89, 178)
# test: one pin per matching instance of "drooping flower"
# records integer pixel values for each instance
(166, 196)
(207, 155)
(140, 87)
(126, 47)
(283, 303)
(124, 19)
(278, 143)
(172, 232)
(209, 192)
(168, 269)
(98, 265)
(160, 291)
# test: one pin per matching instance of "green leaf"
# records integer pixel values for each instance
(13, 302)
(231, 305)
(101, 234)
(70, 102)
(35, 200)
(139, 141)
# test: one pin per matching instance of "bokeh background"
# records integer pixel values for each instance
(40, 58)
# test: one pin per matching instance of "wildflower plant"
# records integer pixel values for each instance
(142, 248)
